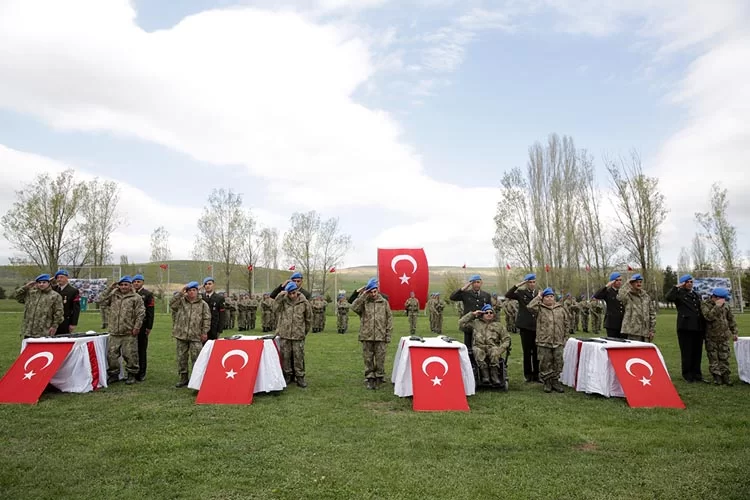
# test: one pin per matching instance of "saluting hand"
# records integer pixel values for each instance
(29, 284)
(476, 313)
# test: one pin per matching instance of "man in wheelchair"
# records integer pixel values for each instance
(491, 345)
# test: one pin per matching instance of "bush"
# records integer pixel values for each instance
(2, 293)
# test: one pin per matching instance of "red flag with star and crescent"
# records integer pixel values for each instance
(32, 371)
(231, 372)
(436, 380)
(644, 378)
(402, 271)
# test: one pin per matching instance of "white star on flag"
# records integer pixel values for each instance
(645, 381)
(404, 279)
(28, 376)
(436, 381)
(231, 373)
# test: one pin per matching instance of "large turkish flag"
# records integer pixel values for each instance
(436, 379)
(401, 271)
(231, 372)
(32, 371)
(643, 378)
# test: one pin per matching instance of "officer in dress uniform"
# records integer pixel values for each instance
(615, 308)
(691, 327)
(148, 324)
(216, 305)
(71, 302)
(473, 299)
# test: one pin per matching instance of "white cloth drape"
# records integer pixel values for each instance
(401, 374)
(75, 374)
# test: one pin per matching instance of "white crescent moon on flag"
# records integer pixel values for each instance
(638, 361)
(45, 354)
(399, 258)
(235, 352)
(434, 359)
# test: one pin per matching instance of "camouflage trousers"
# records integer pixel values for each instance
(267, 320)
(596, 323)
(185, 348)
(373, 353)
(718, 352)
(125, 346)
(318, 321)
(487, 355)
(342, 323)
(575, 316)
(550, 363)
(292, 357)
(437, 324)
(510, 324)
(412, 322)
(585, 321)
(232, 319)
(251, 317)
(225, 318)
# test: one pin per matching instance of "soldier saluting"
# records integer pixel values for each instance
(71, 302)
(216, 305)
(615, 308)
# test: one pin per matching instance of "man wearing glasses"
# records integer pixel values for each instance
(524, 292)
(294, 320)
(295, 278)
(690, 327)
(615, 309)
(491, 342)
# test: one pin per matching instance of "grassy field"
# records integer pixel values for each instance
(337, 440)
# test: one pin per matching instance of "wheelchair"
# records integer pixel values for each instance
(503, 372)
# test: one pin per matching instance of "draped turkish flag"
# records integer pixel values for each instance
(401, 271)
(643, 378)
(231, 372)
(32, 371)
(436, 379)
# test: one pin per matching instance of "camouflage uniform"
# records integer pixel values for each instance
(510, 307)
(231, 305)
(318, 305)
(294, 323)
(597, 312)
(252, 312)
(412, 311)
(640, 316)
(585, 306)
(490, 343)
(266, 307)
(192, 320)
(376, 326)
(126, 313)
(42, 310)
(436, 315)
(342, 315)
(242, 315)
(572, 307)
(552, 327)
(720, 328)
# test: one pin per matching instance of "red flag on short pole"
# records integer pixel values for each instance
(546, 268)
(231, 372)
(507, 266)
(464, 266)
(292, 267)
(32, 371)
(403, 270)
(643, 378)
(163, 266)
(332, 270)
(250, 267)
(630, 268)
(436, 380)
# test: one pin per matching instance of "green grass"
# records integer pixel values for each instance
(338, 440)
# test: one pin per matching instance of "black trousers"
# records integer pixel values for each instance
(530, 358)
(469, 342)
(691, 352)
(142, 348)
(611, 332)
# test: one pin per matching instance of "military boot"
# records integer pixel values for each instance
(557, 386)
(725, 379)
(484, 375)
(378, 382)
(111, 379)
(370, 383)
(183, 381)
(301, 382)
(130, 380)
(287, 378)
(495, 376)
(547, 386)
(717, 380)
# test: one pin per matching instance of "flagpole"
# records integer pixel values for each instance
(588, 291)
(336, 284)
(166, 306)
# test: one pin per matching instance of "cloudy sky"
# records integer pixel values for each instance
(397, 116)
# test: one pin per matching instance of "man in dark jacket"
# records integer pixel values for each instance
(71, 302)
(526, 324)
(216, 305)
(148, 324)
(690, 327)
(473, 299)
(615, 308)
(295, 278)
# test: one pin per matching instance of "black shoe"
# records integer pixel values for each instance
(717, 380)
(301, 382)
(130, 380)
(112, 379)
(181, 383)
(140, 378)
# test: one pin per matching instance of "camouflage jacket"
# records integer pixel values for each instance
(267, 304)
(191, 319)
(435, 306)
(585, 306)
(571, 305)
(486, 334)
(342, 308)
(42, 310)
(511, 308)
(596, 307)
(640, 314)
(293, 318)
(319, 305)
(411, 305)
(552, 323)
(252, 304)
(126, 311)
(720, 324)
(376, 318)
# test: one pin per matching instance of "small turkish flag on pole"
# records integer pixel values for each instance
(644, 378)
(292, 267)
(546, 268)
(464, 266)
(250, 267)
(629, 268)
(436, 379)
(231, 372)
(507, 266)
(163, 266)
(32, 371)
(332, 270)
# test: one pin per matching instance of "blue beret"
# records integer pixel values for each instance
(290, 287)
(529, 277)
(721, 292)
(685, 277)
(61, 272)
(42, 277)
(475, 277)
(437, 294)
(487, 308)
(126, 279)
(614, 276)
(636, 277)
(208, 279)
(192, 284)
(296, 276)
(547, 291)
(371, 284)
(138, 277)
